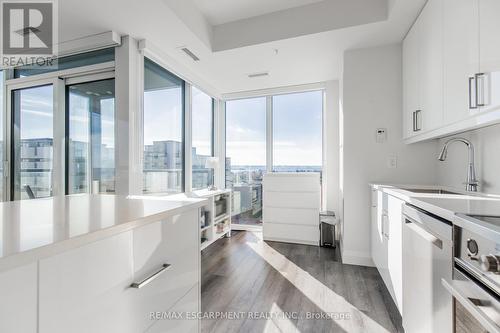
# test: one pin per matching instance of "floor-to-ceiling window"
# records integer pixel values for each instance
(32, 140)
(246, 157)
(91, 141)
(291, 142)
(202, 138)
(163, 153)
(297, 132)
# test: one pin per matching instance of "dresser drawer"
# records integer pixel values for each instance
(174, 242)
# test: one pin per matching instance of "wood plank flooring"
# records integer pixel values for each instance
(280, 287)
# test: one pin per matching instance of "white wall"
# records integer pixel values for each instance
(372, 98)
(331, 145)
(453, 171)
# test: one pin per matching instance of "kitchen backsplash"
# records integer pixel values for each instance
(486, 141)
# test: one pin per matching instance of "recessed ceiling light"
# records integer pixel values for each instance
(254, 75)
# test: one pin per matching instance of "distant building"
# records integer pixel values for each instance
(163, 167)
(202, 177)
(36, 166)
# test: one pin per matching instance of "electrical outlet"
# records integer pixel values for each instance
(392, 161)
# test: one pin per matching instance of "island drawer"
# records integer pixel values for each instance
(114, 285)
(174, 242)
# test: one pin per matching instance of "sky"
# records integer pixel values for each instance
(202, 122)
(37, 113)
(297, 123)
(297, 130)
(162, 115)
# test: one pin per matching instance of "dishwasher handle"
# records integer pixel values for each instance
(423, 232)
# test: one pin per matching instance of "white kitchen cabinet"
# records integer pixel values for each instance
(187, 309)
(386, 242)
(461, 58)
(430, 26)
(18, 300)
(423, 72)
(394, 248)
(411, 93)
(489, 55)
(378, 237)
(90, 289)
(457, 69)
(174, 242)
(86, 289)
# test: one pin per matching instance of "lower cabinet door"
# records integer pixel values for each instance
(114, 285)
(18, 299)
(174, 242)
(182, 317)
(86, 289)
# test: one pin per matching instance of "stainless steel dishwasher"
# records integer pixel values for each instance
(427, 259)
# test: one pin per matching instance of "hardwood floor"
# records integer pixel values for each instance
(280, 287)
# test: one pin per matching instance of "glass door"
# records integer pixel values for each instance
(90, 137)
(32, 136)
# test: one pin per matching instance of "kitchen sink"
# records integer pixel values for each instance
(431, 191)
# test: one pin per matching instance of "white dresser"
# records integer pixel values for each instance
(291, 207)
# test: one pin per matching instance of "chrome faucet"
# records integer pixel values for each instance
(471, 182)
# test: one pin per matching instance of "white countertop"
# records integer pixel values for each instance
(33, 229)
(447, 206)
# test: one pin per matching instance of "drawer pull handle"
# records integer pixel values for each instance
(139, 285)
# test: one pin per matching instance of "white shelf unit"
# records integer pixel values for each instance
(218, 217)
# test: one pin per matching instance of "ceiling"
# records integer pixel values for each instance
(305, 56)
(224, 11)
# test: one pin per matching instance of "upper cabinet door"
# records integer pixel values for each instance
(461, 58)
(410, 81)
(489, 53)
(430, 24)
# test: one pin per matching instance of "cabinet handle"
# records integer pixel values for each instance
(472, 106)
(385, 225)
(480, 92)
(425, 234)
(140, 284)
(416, 120)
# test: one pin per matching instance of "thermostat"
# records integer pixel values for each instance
(381, 135)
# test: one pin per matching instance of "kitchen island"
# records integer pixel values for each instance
(98, 263)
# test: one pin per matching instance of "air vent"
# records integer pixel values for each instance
(258, 74)
(191, 54)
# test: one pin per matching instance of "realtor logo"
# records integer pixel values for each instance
(28, 31)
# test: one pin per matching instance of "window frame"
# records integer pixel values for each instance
(184, 86)
(271, 115)
(58, 79)
(67, 83)
(212, 133)
(268, 94)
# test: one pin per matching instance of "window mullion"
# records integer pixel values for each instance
(269, 134)
(188, 139)
(59, 147)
